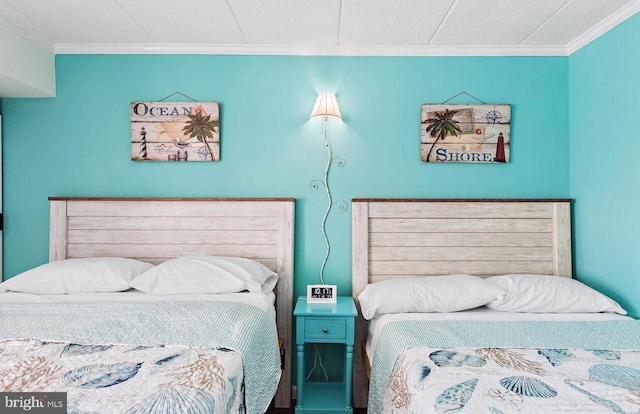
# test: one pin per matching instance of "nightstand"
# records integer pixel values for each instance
(325, 323)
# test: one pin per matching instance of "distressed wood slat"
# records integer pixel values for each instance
(395, 225)
(427, 267)
(478, 113)
(460, 210)
(562, 263)
(172, 209)
(269, 263)
(380, 277)
(237, 200)
(467, 253)
(264, 251)
(462, 239)
(183, 223)
(284, 298)
(360, 273)
(152, 237)
(496, 201)
(58, 231)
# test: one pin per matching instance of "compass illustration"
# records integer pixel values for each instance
(493, 116)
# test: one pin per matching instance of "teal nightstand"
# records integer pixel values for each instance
(325, 323)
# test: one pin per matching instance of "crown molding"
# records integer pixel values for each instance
(603, 27)
(296, 50)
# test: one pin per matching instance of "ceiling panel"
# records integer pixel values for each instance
(389, 22)
(411, 27)
(572, 21)
(80, 21)
(186, 21)
(494, 22)
(289, 22)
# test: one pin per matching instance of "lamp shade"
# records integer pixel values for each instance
(326, 106)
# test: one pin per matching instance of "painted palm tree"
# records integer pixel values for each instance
(201, 127)
(441, 126)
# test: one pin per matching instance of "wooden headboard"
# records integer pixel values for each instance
(159, 229)
(418, 237)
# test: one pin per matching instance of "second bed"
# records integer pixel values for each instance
(483, 360)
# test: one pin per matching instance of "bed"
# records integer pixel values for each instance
(482, 360)
(137, 352)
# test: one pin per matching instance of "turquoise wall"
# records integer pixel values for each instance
(78, 143)
(604, 92)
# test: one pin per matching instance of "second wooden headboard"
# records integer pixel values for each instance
(418, 237)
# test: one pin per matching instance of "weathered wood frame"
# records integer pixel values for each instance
(412, 237)
(158, 229)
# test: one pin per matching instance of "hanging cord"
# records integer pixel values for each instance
(177, 93)
(464, 93)
(317, 358)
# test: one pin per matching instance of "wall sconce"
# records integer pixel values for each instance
(326, 107)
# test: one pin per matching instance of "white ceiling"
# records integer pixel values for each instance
(337, 27)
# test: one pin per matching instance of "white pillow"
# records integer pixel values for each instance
(206, 274)
(549, 294)
(449, 293)
(89, 275)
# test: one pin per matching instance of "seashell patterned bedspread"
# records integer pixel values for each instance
(506, 367)
(195, 340)
(514, 380)
(125, 378)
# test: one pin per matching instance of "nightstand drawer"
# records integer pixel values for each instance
(325, 328)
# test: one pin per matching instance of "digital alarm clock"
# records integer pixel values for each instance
(322, 293)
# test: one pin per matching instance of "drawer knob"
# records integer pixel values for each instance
(325, 330)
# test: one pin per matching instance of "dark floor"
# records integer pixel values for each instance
(293, 405)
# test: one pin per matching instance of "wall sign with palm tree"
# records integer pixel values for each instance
(465, 133)
(175, 131)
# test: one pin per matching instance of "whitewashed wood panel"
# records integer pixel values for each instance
(360, 277)
(172, 208)
(460, 210)
(360, 247)
(465, 253)
(172, 237)
(58, 231)
(461, 239)
(284, 298)
(562, 262)
(263, 251)
(390, 267)
(168, 223)
(269, 263)
(380, 278)
(460, 225)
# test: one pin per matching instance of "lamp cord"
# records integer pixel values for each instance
(328, 191)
